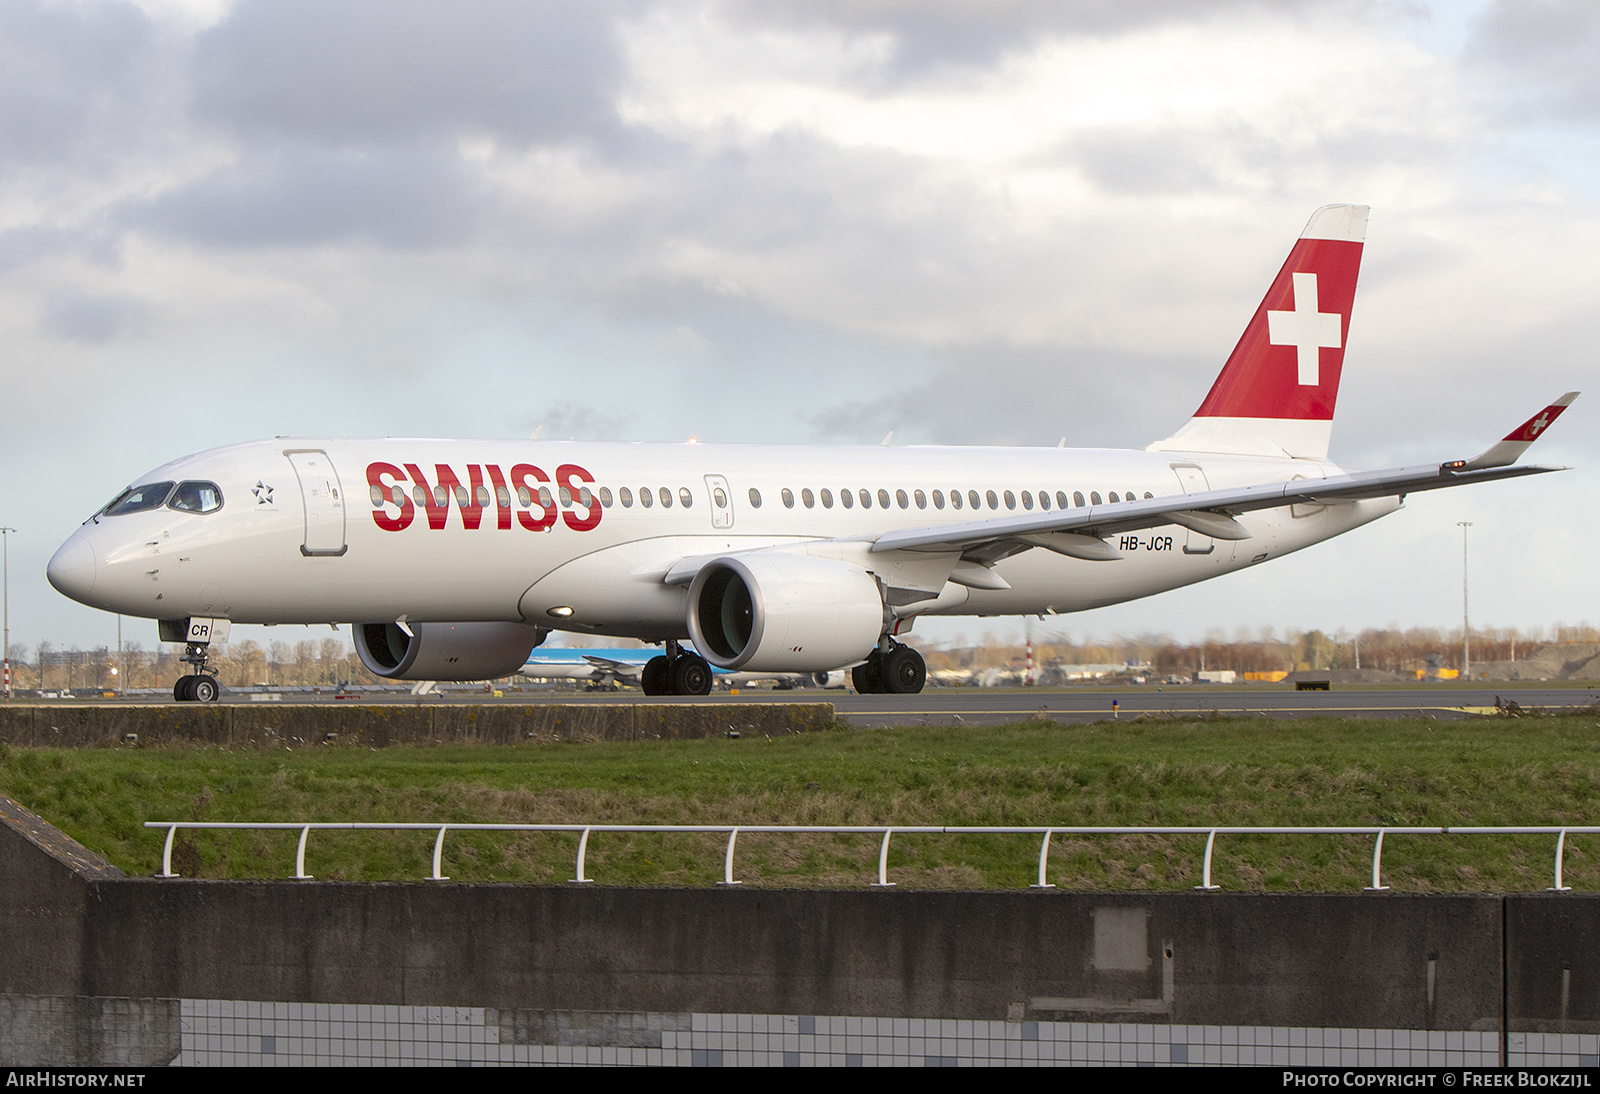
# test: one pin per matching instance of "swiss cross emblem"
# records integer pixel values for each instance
(1305, 328)
(1538, 424)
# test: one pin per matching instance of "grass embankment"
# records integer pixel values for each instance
(1226, 772)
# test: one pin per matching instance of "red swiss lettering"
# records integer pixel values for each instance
(438, 511)
(384, 476)
(519, 482)
(564, 476)
(502, 496)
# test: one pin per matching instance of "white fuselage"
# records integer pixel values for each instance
(308, 532)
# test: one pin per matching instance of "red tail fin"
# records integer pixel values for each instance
(1277, 392)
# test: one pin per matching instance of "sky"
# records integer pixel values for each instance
(804, 222)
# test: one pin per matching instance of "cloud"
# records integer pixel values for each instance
(403, 197)
(352, 73)
(1544, 53)
(85, 317)
(80, 83)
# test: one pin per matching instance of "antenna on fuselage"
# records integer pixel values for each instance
(535, 434)
(887, 437)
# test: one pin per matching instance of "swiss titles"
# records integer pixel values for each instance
(521, 496)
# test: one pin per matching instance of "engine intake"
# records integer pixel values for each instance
(781, 612)
(445, 651)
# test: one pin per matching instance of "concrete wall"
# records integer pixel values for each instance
(274, 725)
(72, 927)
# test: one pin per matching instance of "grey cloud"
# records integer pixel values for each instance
(1546, 54)
(355, 72)
(406, 197)
(1030, 395)
(78, 82)
(85, 317)
(573, 421)
(932, 34)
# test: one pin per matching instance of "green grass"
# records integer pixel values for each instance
(1313, 771)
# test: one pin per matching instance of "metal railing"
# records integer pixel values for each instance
(887, 831)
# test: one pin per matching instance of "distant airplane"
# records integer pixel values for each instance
(768, 558)
(602, 667)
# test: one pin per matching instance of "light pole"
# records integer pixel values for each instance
(1466, 631)
(5, 602)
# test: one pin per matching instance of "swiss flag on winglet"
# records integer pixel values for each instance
(1288, 361)
(1530, 429)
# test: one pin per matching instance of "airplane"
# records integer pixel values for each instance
(461, 556)
(602, 667)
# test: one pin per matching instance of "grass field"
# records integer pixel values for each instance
(1307, 771)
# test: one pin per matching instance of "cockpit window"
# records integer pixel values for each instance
(138, 499)
(196, 497)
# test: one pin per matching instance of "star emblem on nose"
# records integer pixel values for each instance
(263, 493)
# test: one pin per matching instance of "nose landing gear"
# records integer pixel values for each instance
(202, 686)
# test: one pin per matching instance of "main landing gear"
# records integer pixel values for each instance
(201, 687)
(676, 673)
(891, 670)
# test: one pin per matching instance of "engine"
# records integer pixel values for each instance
(445, 651)
(781, 612)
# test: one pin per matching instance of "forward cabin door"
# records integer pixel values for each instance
(324, 502)
(1192, 480)
(721, 501)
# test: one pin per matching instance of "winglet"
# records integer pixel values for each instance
(1510, 450)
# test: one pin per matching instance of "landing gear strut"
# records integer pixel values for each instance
(891, 670)
(202, 686)
(676, 673)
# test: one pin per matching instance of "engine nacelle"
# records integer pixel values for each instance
(446, 651)
(781, 612)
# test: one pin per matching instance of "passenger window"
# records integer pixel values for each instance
(788, 498)
(1027, 500)
(566, 497)
(922, 500)
(399, 495)
(1148, 495)
(419, 495)
(605, 496)
(1094, 497)
(973, 499)
(755, 498)
(1044, 499)
(482, 496)
(1077, 498)
(866, 499)
(1130, 496)
(955, 499)
(994, 502)
(1114, 499)
(502, 497)
(461, 496)
(666, 497)
(197, 497)
(1061, 499)
(377, 495)
(805, 496)
(525, 496)
(1011, 501)
(441, 497)
(827, 498)
(624, 495)
(938, 498)
(883, 498)
(584, 497)
(544, 497)
(646, 498)
(846, 499)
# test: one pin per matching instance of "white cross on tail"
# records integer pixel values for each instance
(1305, 328)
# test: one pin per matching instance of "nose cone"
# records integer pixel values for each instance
(72, 569)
